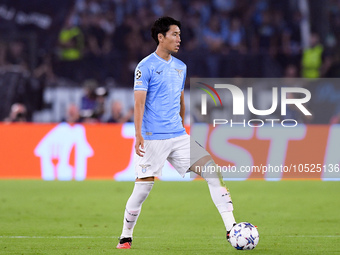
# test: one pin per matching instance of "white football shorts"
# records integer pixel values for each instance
(175, 150)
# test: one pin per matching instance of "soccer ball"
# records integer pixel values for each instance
(244, 236)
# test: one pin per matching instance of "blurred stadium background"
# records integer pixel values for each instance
(74, 59)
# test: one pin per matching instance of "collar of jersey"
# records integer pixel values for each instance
(163, 59)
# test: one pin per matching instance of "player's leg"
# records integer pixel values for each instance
(146, 168)
(218, 190)
(188, 154)
(133, 208)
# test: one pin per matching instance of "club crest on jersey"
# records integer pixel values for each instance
(138, 74)
(179, 71)
(144, 167)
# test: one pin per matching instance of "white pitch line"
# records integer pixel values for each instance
(55, 237)
(317, 236)
(116, 237)
(63, 237)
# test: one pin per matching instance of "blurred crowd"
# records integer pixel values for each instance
(92, 107)
(103, 40)
(262, 38)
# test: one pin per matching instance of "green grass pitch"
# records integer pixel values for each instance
(293, 217)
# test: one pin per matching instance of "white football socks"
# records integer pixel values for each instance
(228, 219)
(220, 196)
(134, 205)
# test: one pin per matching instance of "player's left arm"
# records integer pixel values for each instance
(182, 109)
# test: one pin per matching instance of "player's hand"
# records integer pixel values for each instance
(139, 146)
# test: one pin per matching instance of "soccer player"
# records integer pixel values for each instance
(160, 135)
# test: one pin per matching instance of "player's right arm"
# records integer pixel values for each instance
(141, 85)
(140, 97)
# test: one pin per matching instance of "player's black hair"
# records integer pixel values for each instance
(162, 25)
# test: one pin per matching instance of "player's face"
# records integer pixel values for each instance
(172, 39)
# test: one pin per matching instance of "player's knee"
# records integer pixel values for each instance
(198, 166)
(211, 174)
(139, 194)
(146, 179)
(143, 188)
